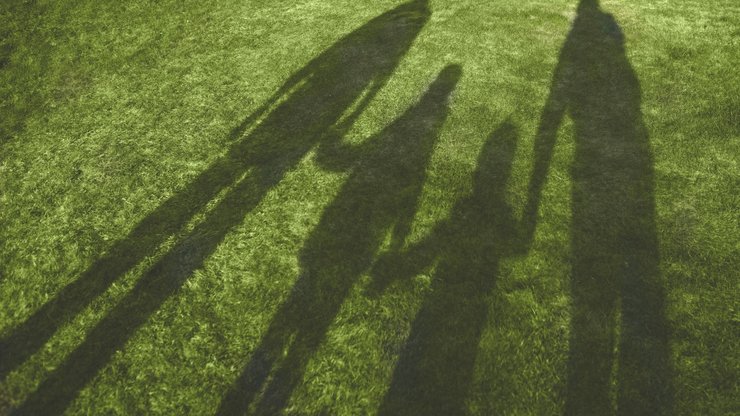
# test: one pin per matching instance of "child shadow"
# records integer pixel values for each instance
(435, 369)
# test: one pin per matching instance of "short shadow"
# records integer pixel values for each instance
(435, 370)
(618, 298)
(308, 108)
(379, 197)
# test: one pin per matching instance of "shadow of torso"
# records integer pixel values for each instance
(612, 166)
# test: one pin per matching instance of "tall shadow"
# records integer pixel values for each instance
(614, 245)
(435, 369)
(308, 108)
(379, 197)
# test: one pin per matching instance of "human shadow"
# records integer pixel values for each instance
(312, 106)
(614, 245)
(435, 369)
(380, 197)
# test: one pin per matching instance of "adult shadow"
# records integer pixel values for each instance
(380, 197)
(312, 106)
(435, 370)
(617, 295)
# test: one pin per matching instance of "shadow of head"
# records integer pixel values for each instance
(496, 158)
(598, 25)
(414, 8)
(588, 5)
(446, 81)
(410, 14)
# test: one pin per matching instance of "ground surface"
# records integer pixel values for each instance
(343, 207)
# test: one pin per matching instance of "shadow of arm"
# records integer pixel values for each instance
(403, 264)
(544, 144)
(333, 154)
(290, 84)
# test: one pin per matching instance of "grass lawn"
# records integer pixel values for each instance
(320, 207)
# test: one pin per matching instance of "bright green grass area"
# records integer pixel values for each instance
(337, 207)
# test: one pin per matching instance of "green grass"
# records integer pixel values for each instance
(340, 207)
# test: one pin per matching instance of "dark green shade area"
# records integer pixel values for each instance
(395, 208)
